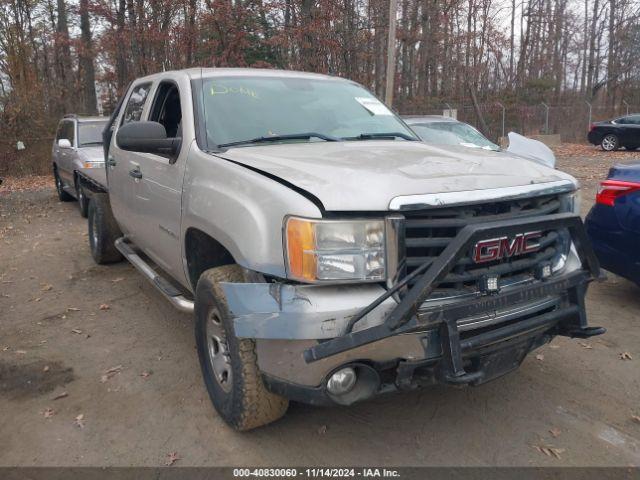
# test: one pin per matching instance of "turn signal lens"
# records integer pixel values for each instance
(300, 245)
(335, 250)
(93, 164)
(610, 190)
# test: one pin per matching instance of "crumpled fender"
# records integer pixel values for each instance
(531, 149)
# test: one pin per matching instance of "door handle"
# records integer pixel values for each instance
(135, 173)
(111, 162)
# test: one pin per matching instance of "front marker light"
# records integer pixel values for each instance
(89, 164)
(335, 250)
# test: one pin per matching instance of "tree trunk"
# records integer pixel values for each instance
(87, 71)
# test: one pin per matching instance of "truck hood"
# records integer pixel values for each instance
(367, 175)
(91, 154)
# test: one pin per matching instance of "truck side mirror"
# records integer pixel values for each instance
(147, 137)
(64, 143)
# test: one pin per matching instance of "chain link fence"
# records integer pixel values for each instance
(24, 156)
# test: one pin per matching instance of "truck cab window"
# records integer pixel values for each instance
(136, 103)
(167, 110)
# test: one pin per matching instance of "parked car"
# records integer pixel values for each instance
(328, 255)
(613, 224)
(613, 134)
(78, 148)
(441, 130)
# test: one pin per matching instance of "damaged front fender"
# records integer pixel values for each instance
(301, 312)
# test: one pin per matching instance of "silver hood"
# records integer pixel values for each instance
(91, 154)
(367, 175)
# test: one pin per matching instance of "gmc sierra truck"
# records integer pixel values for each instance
(327, 254)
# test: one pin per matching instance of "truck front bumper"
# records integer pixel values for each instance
(305, 333)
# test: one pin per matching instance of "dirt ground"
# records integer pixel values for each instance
(97, 369)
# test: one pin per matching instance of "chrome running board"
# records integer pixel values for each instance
(171, 293)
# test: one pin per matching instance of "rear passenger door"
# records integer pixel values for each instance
(120, 163)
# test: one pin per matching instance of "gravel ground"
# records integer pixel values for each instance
(97, 369)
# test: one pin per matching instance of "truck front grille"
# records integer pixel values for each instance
(428, 232)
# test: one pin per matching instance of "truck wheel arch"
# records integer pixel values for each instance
(203, 252)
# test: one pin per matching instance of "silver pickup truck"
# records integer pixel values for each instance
(327, 254)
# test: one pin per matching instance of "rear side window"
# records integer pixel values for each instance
(135, 104)
(635, 119)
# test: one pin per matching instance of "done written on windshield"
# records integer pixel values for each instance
(248, 111)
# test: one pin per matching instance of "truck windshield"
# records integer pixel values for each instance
(90, 133)
(249, 110)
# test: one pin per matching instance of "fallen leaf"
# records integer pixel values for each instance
(110, 373)
(4, 349)
(116, 280)
(635, 418)
(586, 345)
(322, 430)
(555, 432)
(550, 451)
(21, 352)
(172, 458)
(48, 413)
(72, 309)
(79, 421)
(626, 356)
(554, 347)
(76, 330)
(540, 357)
(46, 287)
(60, 395)
(46, 368)
(146, 373)
(104, 306)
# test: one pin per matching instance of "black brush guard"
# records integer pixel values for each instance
(406, 317)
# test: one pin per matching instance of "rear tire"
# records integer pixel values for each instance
(63, 196)
(103, 230)
(229, 364)
(83, 201)
(610, 142)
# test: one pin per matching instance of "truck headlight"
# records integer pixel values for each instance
(335, 250)
(571, 202)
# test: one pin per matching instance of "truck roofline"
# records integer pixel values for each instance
(198, 73)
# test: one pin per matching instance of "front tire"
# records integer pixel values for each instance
(610, 142)
(63, 196)
(103, 230)
(229, 364)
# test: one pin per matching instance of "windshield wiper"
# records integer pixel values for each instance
(379, 136)
(277, 138)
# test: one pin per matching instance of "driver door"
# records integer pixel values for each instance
(158, 192)
(122, 164)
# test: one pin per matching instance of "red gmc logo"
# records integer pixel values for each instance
(503, 247)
